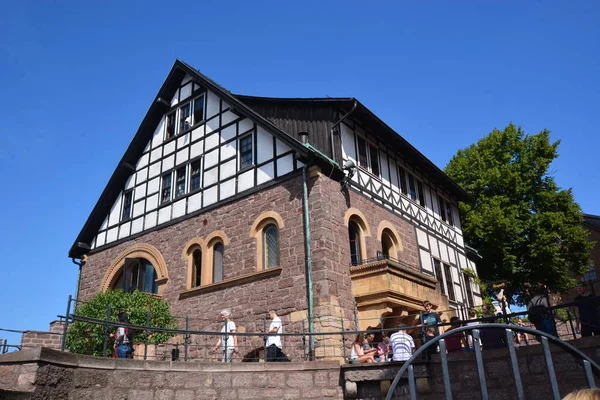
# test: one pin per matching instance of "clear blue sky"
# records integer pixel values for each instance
(77, 78)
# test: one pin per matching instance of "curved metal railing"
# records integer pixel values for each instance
(590, 368)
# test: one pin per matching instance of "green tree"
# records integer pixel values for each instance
(527, 229)
(88, 338)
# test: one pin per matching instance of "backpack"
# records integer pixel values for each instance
(537, 312)
(126, 339)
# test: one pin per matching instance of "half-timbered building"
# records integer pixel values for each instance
(312, 206)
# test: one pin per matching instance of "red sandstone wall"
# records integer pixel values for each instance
(51, 339)
(287, 292)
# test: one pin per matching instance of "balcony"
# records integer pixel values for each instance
(386, 287)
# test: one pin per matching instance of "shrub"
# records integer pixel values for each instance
(88, 338)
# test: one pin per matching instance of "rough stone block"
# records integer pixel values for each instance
(184, 394)
(164, 394)
(137, 394)
(85, 378)
(241, 380)
(228, 394)
(300, 380)
(206, 394)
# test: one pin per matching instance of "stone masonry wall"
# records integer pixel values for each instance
(51, 339)
(332, 286)
(51, 375)
(249, 302)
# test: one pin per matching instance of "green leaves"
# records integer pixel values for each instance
(88, 338)
(528, 230)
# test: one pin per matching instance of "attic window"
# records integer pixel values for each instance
(245, 152)
(170, 129)
(191, 114)
(127, 198)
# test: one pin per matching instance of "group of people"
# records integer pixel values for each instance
(400, 345)
(228, 344)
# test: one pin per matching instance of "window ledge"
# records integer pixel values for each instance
(238, 280)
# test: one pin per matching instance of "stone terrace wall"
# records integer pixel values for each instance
(52, 375)
(51, 339)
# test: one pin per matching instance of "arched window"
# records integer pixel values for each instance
(388, 248)
(137, 274)
(197, 268)
(218, 262)
(354, 236)
(270, 246)
(265, 231)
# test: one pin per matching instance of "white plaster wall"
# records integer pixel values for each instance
(264, 146)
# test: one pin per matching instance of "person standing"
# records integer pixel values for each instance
(273, 342)
(539, 313)
(402, 343)
(456, 341)
(588, 312)
(123, 337)
(228, 343)
(429, 319)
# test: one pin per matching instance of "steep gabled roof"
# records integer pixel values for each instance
(242, 105)
(144, 134)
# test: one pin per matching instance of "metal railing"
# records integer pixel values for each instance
(590, 368)
(197, 336)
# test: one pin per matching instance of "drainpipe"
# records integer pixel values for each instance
(337, 123)
(80, 264)
(308, 260)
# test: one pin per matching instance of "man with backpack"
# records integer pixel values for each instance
(123, 337)
(539, 314)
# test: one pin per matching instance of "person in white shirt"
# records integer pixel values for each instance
(228, 343)
(402, 343)
(273, 342)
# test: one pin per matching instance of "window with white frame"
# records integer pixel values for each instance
(469, 290)
(449, 282)
(180, 182)
(170, 125)
(246, 151)
(368, 156)
(184, 117)
(165, 192)
(411, 186)
(445, 210)
(195, 175)
(127, 200)
(437, 266)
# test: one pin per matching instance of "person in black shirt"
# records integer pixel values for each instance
(588, 312)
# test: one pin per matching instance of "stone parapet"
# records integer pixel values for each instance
(45, 373)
